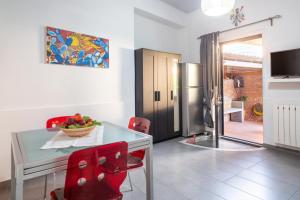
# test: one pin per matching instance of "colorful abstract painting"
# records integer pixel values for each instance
(69, 48)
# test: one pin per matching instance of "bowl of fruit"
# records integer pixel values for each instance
(78, 126)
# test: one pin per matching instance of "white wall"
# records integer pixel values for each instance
(32, 91)
(283, 35)
(153, 34)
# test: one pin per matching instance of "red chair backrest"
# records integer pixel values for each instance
(96, 173)
(53, 122)
(141, 125)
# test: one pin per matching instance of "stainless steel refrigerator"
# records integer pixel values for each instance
(192, 99)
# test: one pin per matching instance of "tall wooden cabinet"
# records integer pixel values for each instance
(154, 91)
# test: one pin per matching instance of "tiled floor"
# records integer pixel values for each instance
(223, 144)
(182, 172)
(249, 130)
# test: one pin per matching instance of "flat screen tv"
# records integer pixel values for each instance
(285, 63)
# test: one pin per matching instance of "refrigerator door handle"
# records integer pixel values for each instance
(155, 96)
(172, 95)
(158, 95)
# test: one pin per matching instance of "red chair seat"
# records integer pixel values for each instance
(58, 194)
(134, 162)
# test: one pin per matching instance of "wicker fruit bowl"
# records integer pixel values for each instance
(78, 132)
(78, 126)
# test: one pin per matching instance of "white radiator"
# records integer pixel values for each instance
(287, 125)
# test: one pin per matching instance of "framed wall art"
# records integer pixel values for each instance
(70, 48)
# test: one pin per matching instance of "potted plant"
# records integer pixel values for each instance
(243, 98)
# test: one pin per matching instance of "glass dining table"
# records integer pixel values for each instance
(29, 161)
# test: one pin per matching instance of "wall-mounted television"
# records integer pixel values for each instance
(285, 63)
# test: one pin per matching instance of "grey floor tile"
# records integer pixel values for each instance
(218, 164)
(279, 174)
(223, 190)
(136, 194)
(282, 167)
(296, 196)
(164, 192)
(217, 174)
(236, 160)
(230, 193)
(205, 195)
(268, 182)
(257, 190)
(188, 189)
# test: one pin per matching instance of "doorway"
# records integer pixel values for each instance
(243, 89)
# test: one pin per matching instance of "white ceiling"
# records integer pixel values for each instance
(184, 5)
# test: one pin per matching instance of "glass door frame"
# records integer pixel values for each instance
(220, 119)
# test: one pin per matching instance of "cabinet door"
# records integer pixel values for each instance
(149, 105)
(161, 83)
(173, 92)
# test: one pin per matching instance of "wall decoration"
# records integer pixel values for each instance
(237, 16)
(238, 81)
(69, 48)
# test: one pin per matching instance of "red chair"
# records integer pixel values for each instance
(135, 159)
(54, 122)
(95, 174)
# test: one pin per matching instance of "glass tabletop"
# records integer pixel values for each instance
(31, 142)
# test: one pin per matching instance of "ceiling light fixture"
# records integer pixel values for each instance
(217, 7)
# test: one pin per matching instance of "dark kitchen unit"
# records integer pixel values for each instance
(157, 91)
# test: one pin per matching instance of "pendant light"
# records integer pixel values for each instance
(217, 7)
